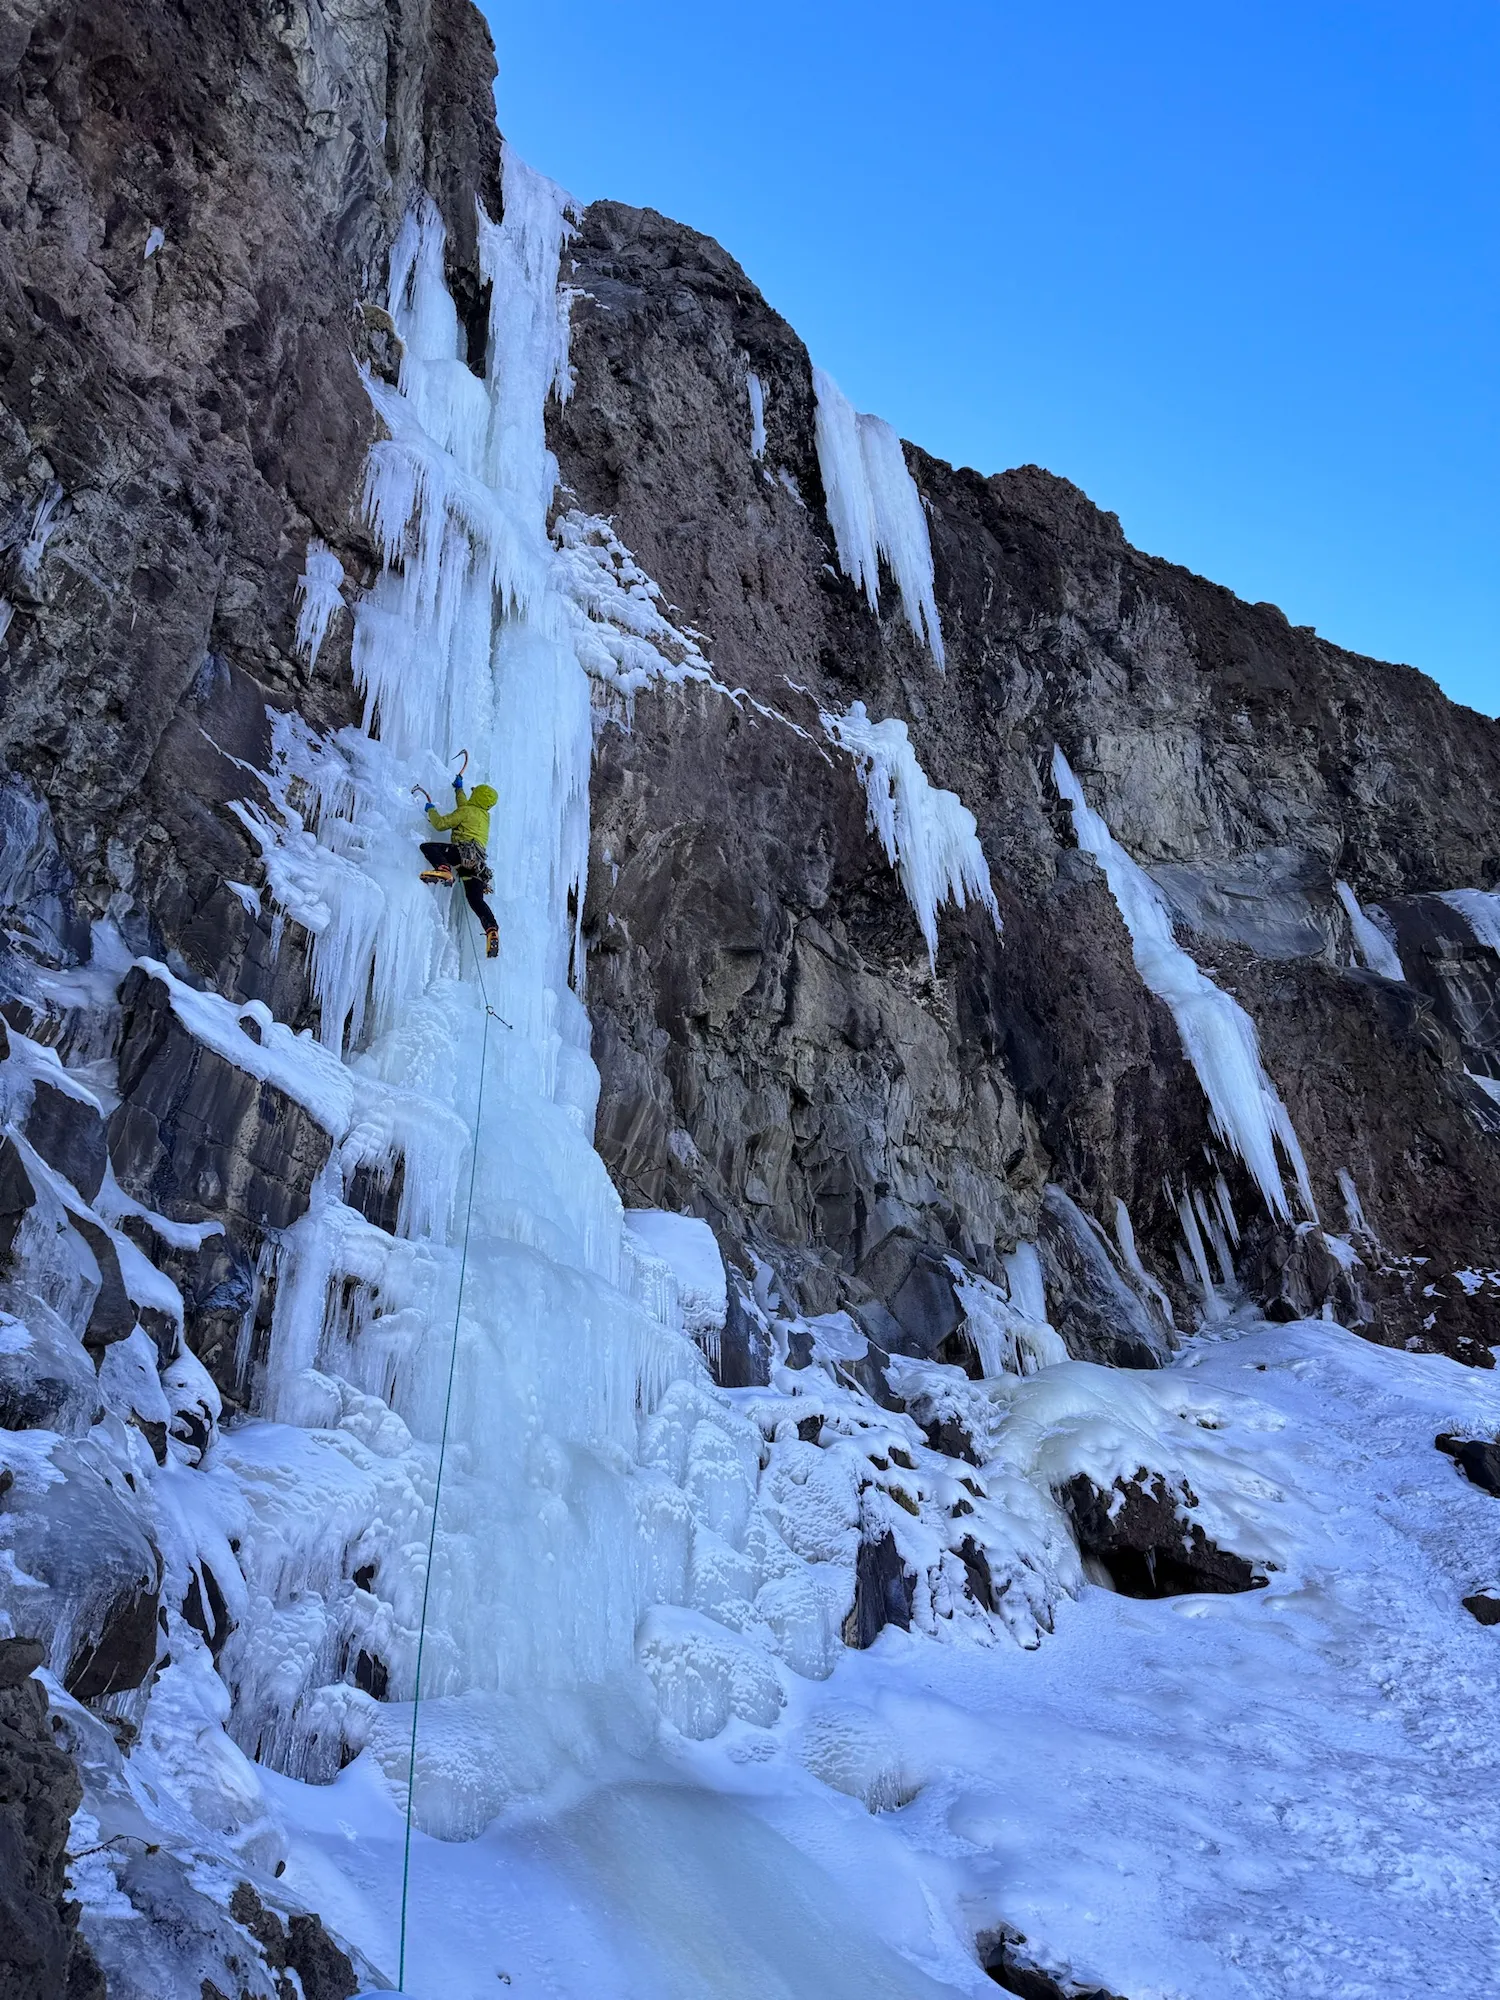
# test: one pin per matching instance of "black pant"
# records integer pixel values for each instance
(443, 854)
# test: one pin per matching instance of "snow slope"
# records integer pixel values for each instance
(1285, 1795)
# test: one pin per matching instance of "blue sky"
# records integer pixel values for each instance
(1231, 266)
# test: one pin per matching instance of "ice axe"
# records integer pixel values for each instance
(421, 791)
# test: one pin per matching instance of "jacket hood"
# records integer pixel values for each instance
(484, 795)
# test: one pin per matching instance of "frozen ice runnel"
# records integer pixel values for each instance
(755, 389)
(875, 509)
(1373, 945)
(929, 836)
(1218, 1036)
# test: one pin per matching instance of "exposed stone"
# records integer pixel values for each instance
(757, 983)
(977, 1574)
(49, 1382)
(112, 1317)
(1478, 1459)
(1100, 1316)
(194, 1135)
(1484, 1607)
(83, 1539)
(1142, 1537)
(69, 1135)
(1004, 1956)
(884, 1590)
(42, 1956)
(196, 1139)
(17, 1195)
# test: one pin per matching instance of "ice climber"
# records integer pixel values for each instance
(464, 856)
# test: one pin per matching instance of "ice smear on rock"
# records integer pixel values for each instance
(875, 509)
(1218, 1036)
(1370, 941)
(929, 836)
(1480, 910)
(755, 390)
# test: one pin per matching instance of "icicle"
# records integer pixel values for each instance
(929, 836)
(1218, 1036)
(875, 509)
(318, 592)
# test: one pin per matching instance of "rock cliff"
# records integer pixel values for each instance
(198, 211)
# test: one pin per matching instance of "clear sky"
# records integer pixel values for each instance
(1230, 265)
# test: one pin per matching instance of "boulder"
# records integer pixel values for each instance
(1478, 1459)
(1004, 1955)
(86, 1542)
(1141, 1536)
(883, 1592)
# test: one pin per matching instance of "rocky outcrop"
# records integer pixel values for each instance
(42, 1957)
(775, 1055)
(1141, 1539)
(1005, 1957)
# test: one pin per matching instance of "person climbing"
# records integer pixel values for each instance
(464, 856)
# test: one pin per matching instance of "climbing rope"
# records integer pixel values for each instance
(437, 1490)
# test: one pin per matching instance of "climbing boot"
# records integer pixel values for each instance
(492, 943)
(443, 875)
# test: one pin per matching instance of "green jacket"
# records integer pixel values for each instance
(470, 818)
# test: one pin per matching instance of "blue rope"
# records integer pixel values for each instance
(437, 1491)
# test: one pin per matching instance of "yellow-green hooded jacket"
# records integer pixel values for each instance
(470, 818)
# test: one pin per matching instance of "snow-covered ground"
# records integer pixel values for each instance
(1284, 1795)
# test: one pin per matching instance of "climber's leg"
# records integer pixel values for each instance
(444, 858)
(474, 896)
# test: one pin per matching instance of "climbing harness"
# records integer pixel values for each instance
(437, 1489)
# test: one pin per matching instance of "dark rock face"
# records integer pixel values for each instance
(42, 1956)
(197, 206)
(84, 1540)
(197, 1139)
(69, 1135)
(1142, 1535)
(300, 1945)
(883, 1592)
(180, 423)
(1484, 1608)
(759, 990)
(1098, 1314)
